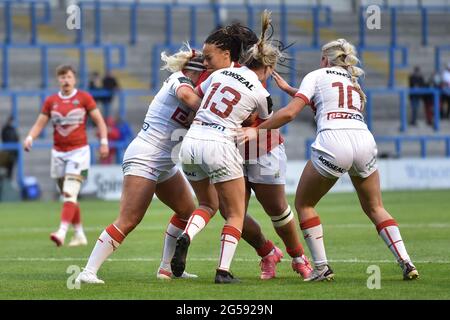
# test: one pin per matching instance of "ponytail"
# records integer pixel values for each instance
(343, 54)
(189, 59)
(262, 53)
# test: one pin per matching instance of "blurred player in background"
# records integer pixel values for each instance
(71, 156)
(210, 158)
(343, 144)
(267, 175)
(149, 166)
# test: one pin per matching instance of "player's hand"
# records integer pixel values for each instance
(104, 151)
(28, 143)
(281, 83)
(246, 134)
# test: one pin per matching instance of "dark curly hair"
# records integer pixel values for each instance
(236, 38)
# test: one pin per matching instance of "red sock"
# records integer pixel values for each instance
(68, 212)
(115, 233)
(265, 249)
(177, 222)
(77, 216)
(295, 252)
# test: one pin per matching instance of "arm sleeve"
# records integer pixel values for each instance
(307, 88)
(46, 108)
(89, 102)
(264, 107)
(181, 82)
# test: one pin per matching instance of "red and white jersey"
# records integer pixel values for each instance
(69, 115)
(166, 113)
(230, 95)
(334, 99)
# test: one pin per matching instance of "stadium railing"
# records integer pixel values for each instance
(35, 20)
(398, 142)
(393, 11)
(402, 94)
(438, 50)
(108, 53)
(321, 17)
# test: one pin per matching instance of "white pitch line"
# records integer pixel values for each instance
(207, 259)
(163, 227)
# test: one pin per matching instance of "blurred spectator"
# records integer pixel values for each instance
(9, 157)
(111, 85)
(94, 81)
(445, 112)
(126, 135)
(428, 98)
(113, 136)
(416, 81)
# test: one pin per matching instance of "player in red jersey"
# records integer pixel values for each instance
(68, 110)
(222, 49)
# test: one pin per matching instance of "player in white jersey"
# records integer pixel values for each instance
(264, 166)
(209, 155)
(343, 144)
(149, 166)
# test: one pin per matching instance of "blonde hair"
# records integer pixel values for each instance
(262, 53)
(342, 53)
(183, 59)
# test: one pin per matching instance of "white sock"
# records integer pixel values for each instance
(103, 248)
(63, 227)
(79, 229)
(229, 241)
(170, 241)
(393, 239)
(198, 220)
(313, 233)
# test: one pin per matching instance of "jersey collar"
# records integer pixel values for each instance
(75, 91)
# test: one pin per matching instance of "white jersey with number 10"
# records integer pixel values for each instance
(333, 98)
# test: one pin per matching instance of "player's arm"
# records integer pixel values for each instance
(97, 117)
(283, 85)
(302, 97)
(284, 115)
(35, 131)
(189, 97)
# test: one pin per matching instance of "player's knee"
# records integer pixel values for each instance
(282, 219)
(304, 209)
(276, 208)
(208, 208)
(211, 206)
(71, 188)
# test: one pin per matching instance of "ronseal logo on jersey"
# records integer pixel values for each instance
(239, 78)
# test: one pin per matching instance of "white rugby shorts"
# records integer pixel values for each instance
(270, 168)
(335, 152)
(74, 162)
(143, 159)
(219, 161)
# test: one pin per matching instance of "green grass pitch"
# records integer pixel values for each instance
(31, 267)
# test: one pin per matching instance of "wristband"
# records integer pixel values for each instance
(30, 139)
(104, 141)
